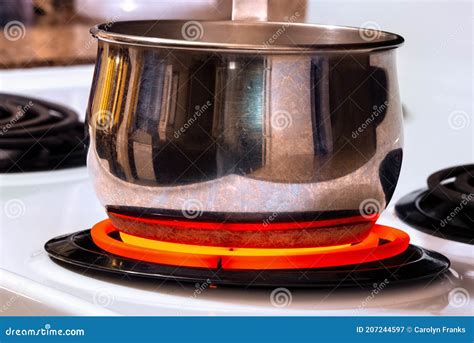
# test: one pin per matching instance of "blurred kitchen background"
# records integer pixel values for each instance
(56, 32)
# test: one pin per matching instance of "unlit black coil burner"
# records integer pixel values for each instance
(37, 135)
(446, 208)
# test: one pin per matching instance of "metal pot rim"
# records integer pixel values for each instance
(281, 37)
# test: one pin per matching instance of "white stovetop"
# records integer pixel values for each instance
(30, 283)
(36, 285)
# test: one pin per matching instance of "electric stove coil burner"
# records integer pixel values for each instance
(37, 135)
(446, 208)
(289, 230)
(407, 263)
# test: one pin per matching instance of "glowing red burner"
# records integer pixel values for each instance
(383, 242)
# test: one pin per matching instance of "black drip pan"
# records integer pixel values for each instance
(412, 265)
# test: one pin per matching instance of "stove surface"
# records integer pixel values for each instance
(40, 206)
(24, 264)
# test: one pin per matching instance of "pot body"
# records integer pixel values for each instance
(248, 137)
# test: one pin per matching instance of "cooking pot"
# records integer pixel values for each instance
(244, 132)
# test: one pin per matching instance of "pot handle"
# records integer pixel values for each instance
(252, 10)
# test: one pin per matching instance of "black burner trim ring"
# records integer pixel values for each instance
(414, 264)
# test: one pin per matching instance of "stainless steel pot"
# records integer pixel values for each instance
(246, 121)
